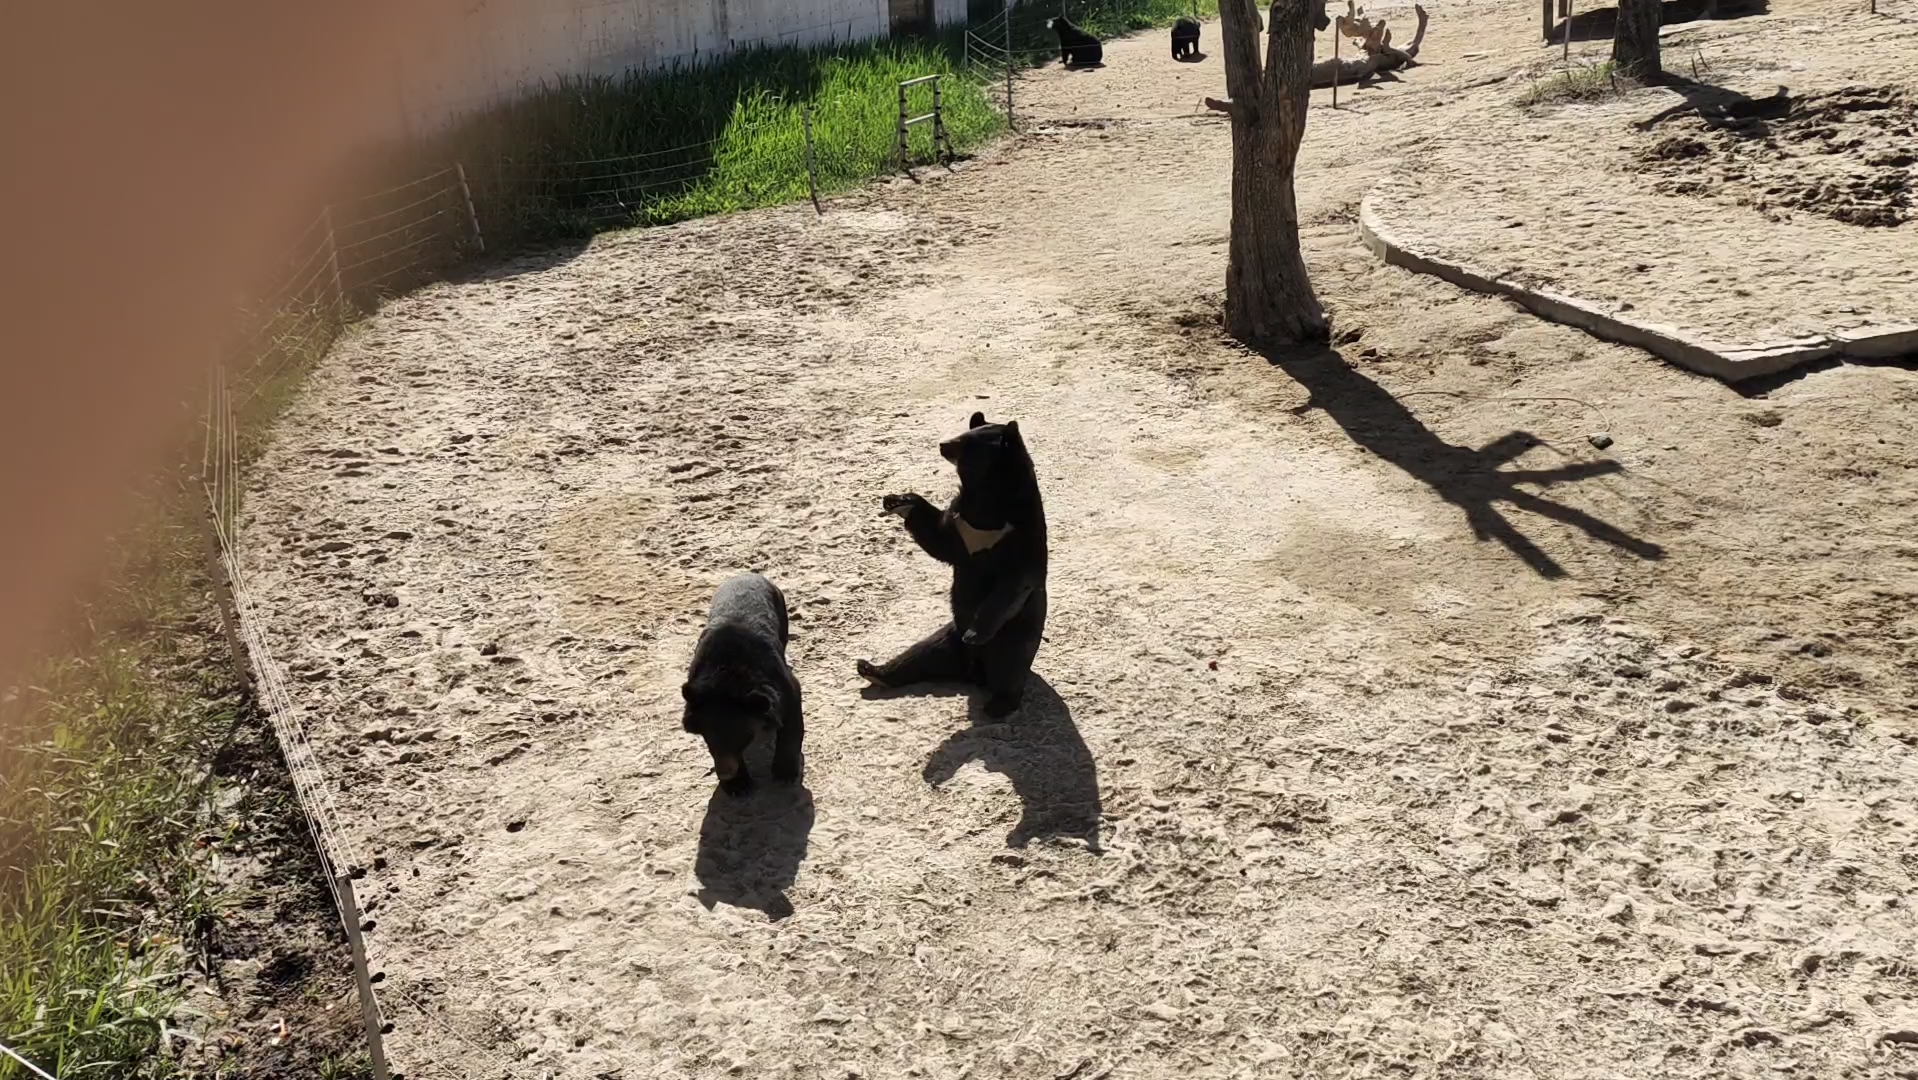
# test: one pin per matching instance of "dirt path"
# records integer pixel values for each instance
(1317, 783)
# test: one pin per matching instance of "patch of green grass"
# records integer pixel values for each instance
(583, 155)
(1586, 82)
(102, 796)
(589, 154)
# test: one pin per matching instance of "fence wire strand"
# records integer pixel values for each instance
(25, 1064)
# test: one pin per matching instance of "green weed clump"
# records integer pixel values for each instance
(1586, 82)
(103, 758)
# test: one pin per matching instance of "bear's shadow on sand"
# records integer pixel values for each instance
(750, 846)
(1038, 749)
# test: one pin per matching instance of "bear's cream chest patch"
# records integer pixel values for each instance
(978, 540)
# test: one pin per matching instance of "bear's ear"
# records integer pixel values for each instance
(978, 420)
(1012, 429)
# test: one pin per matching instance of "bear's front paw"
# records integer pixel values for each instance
(900, 504)
(870, 671)
(971, 637)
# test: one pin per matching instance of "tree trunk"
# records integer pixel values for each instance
(1635, 40)
(1268, 295)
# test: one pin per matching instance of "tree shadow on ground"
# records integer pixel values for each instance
(1038, 749)
(750, 846)
(1721, 109)
(1468, 478)
(1600, 23)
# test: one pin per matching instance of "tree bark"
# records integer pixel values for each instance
(1635, 40)
(1268, 294)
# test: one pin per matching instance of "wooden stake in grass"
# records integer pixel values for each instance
(369, 1008)
(812, 167)
(223, 597)
(1009, 64)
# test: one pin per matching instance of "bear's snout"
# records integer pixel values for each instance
(725, 766)
(949, 450)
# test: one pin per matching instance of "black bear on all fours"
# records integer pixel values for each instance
(739, 685)
(994, 538)
(1076, 47)
(1185, 39)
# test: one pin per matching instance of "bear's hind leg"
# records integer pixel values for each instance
(788, 760)
(1007, 662)
(938, 658)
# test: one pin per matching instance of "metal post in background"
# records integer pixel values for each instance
(1010, 124)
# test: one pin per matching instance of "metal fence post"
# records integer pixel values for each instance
(902, 129)
(333, 258)
(472, 215)
(1010, 124)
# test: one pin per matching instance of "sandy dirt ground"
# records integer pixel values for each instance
(1385, 726)
(1763, 226)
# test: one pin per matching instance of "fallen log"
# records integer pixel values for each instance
(1374, 39)
(1375, 43)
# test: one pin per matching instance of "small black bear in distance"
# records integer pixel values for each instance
(994, 538)
(739, 684)
(1185, 39)
(1076, 47)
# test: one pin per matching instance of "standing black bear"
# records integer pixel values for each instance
(1076, 47)
(1185, 39)
(739, 684)
(994, 537)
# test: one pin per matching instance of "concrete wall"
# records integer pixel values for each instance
(501, 48)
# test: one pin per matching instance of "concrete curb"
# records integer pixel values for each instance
(1731, 363)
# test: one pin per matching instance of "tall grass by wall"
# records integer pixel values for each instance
(589, 154)
(583, 155)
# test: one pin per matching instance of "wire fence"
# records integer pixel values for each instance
(353, 252)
